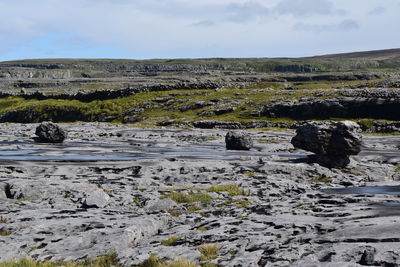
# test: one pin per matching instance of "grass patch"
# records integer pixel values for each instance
(267, 141)
(38, 247)
(366, 123)
(3, 219)
(263, 85)
(202, 229)
(249, 174)
(105, 261)
(232, 189)
(194, 208)
(174, 213)
(171, 241)
(26, 199)
(154, 261)
(209, 251)
(5, 232)
(322, 179)
(180, 198)
(240, 203)
(136, 201)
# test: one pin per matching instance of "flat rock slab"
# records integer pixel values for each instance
(123, 174)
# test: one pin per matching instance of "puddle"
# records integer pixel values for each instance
(365, 190)
(388, 204)
(16, 152)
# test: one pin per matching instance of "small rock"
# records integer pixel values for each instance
(49, 132)
(238, 141)
(4, 190)
(96, 199)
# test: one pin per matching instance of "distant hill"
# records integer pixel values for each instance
(374, 54)
(357, 61)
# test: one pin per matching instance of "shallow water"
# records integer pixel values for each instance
(365, 190)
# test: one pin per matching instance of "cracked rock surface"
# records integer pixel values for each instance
(111, 188)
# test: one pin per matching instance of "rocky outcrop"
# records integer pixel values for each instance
(49, 132)
(330, 77)
(109, 94)
(238, 141)
(343, 107)
(332, 142)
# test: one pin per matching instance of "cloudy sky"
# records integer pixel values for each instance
(140, 29)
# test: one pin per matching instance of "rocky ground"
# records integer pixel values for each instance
(111, 188)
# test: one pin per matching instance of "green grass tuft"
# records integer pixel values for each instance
(209, 251)
(322, 179)
(232, 189)
(189, 198)
(194, 208)
(5, 232)
(367, 123)
(154, 261)
(171, 241)
(240, 203)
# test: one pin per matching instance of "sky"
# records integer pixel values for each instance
(146, 29)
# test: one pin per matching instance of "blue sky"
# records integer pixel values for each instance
(140, 29)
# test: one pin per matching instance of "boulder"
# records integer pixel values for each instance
(332, 142)
(238, 141)
(49, 132)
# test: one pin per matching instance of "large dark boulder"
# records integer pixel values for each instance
(238, 141)
(332, 142)
(49, 132)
